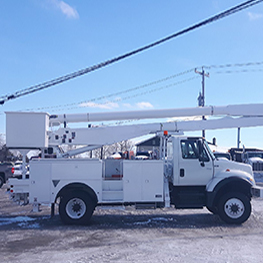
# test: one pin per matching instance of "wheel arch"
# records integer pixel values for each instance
(232, 184)
(80, 187)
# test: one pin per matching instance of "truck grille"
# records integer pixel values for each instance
(257, 166)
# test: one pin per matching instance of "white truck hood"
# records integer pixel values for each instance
(223, 165)
(226, 169)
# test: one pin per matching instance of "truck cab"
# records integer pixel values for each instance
(200, 180)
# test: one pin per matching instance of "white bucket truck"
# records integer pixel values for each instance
(185, 176)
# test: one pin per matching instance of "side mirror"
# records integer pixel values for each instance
(200, 149)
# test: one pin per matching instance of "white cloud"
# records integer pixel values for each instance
(107, 105)
(254, 16)
(144, 105)
(127, 105)
(66, 9)
(113, 105)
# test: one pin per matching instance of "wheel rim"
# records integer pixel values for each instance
(234, 208)
(76, 208)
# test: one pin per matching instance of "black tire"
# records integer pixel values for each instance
(234, 208)
(2, 181)
(76, 208)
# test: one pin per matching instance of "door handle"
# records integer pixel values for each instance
(181, 172)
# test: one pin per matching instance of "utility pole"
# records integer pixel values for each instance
(201, 97)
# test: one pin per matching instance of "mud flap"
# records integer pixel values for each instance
(257, 191)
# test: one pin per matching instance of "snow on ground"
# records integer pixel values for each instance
(17, 220)
(22, 221)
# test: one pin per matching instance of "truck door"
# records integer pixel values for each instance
(194, 170)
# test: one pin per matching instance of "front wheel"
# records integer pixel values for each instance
(76, 208)
(234, 208)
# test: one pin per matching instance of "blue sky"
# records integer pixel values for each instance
(44, 39)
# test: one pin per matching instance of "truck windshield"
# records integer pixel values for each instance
(209, 150)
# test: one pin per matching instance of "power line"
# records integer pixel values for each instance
(151, 91)
(70, 76)
(239, 71)
(77, 105)
(143, 86)
(236, 65)
(247, 64)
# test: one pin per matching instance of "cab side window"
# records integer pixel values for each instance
(190, 150)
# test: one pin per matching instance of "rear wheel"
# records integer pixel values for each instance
(76, 208)
(234, 208)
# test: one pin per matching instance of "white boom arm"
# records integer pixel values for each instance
(110, 134)
(230, 110)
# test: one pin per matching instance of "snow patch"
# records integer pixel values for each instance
(111, 208)
(21, 221)
(26, 225)
(156, 219)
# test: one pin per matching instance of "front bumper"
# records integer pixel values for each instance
(257, 191)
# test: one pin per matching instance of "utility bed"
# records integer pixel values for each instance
(114, 181)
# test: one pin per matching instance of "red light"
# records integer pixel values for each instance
(11, 191)
(13, 170)
(227, 170)
(165, 133)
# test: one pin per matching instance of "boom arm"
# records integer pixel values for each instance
(110, 134)
(230, 110)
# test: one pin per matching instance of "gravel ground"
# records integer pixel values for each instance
(128, 235)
